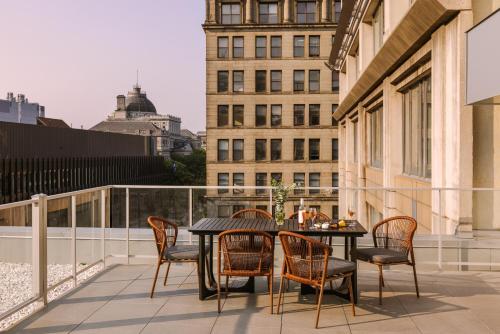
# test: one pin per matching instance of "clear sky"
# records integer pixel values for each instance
(75, 56)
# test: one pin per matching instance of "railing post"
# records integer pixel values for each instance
(190, 214)
(73, 237)
(103, 227)
(39, 246)
(440, 231)
(127, 222)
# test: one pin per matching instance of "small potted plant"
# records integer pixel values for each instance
(280, 196)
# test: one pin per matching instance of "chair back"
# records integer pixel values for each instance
(245, 250)
(306, 259)
(252, 214)
(320, 217)
(165, 233)
(395, 233)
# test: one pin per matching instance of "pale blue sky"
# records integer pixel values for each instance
(75, 56)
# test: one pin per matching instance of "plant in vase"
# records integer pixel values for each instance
(280, 196)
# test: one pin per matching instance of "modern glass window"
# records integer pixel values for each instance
(238, 114)
(260, 47)
(378, 26)
(238, 149)
(298, 114)
(298, 149)
(268, 13)
(222, 81)
(222, 149)
(298, 80)
(238, 47)
(260, 181)
(238, 81)
(314, 42)
(260, 81)
(355, 141)
(298, 46)
(314, 80)
(314, 181)
(306, 11)
(337, 10)
(314, 117)
(260, 115)
(276, 81)
(238, 180)
(260, 149)
(223, 181)
(276, 115)
(231, 13)
(222, 47)
(334, 109)
(275, 149)
(222, 115)
(376, 137)
(275, 46)
(417, 128)
(300, 180)
(335, 81)
(313, 149)
(335, 149)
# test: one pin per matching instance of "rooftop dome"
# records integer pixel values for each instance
(138, 102)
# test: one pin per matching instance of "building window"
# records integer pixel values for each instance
(314, 80)
(260, 181)
(260, 115)
(306, 11)
(222, 47)
(238, 81)
(275, 81)
(223, 211)
(335, 82)
(337, 4)
(222, 81)
(260, 149)
(298, 149)
(222, 115)
(238, 47)
(231, 13)
(334, 109)
(314, 181)
(376, 143)
(277, 176)
(298, 114)
(355, 141)
(223, 181)
(238, 115)
(314, 114)
(335, 149)
(261, 207)
(313, 149)
(378, 26)
(268, 13)
(335, 212)
(223, 149)
(275, 46)
(275, 149)
(276, 115)
(298, 46)
(238, 180)
(417, 128)
(298, 80)
(314, 42)
(260, 81)
(238, 145)
(335, 180)
(260, 47)
(299, 180)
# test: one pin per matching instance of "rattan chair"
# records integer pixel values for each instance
(308, 261)
(321, 216)
(245, 253)
(252, 214)
(165, 233)
(393, 241)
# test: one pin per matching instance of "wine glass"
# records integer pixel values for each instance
(350, 213)
(314, 214)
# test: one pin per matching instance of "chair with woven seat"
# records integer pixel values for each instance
(308, 261)
(165, 233)
(245, 253)
(320, 217)
(252, 214)
(393, 243)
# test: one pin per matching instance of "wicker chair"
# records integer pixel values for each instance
(308, 261)
(393, 241)
(165, 233)
(245, 253)
(321, 216)
(252, 214)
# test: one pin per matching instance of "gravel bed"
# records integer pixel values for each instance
(16, 287)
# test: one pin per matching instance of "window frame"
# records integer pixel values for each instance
(260, 107)
(299, 50)
(314, 49)
(299, 86)
(260, 48)
(276, 156)
(260, 181)
(296, 114)
(238, 154)
(220, 82)
(238, 51)
(260, 144)
(233, 17)
(242, 82)
(220, 110)
(236, 182)
(276, 81)
(277, 107)
(277, 38)
(306, 17)
(298, 157)
(314, 114)
(224, 49)
(314, 81)
(312, 144)
(260, 81)
(268, 15)
(220, 155)
(238, 112)
(317, 178)
(219, 179)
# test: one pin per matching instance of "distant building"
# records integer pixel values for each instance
(52, 123)
(203, 139)
(20, 110)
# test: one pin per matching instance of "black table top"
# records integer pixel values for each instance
(213, 226)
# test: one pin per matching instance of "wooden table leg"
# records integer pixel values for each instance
(353, 258)
(211, 261)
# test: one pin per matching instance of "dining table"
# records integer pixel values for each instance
(210, 227)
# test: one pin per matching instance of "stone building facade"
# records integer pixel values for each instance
(20, 110)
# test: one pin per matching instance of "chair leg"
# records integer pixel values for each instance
(156, 277)
(282, 281)
(218, 292)
(166, 274)
(383, 281)
(380, 283)
(415, 277)
(227, 285)
(210, 275)
(317, 294)
(271, 291)
(319, 303)
(351, 295)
